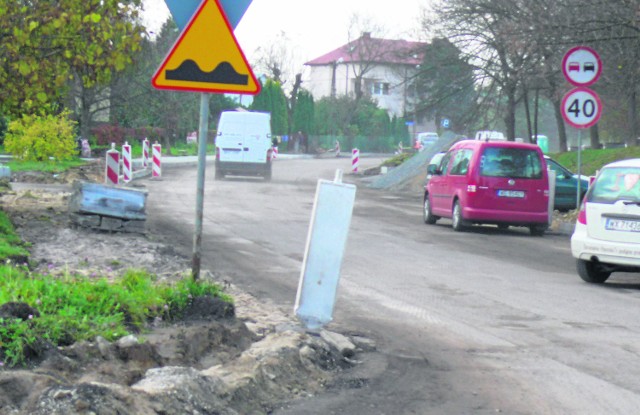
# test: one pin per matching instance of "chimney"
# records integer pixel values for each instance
(366, 35)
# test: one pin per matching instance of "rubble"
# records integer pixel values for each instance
(248, 360)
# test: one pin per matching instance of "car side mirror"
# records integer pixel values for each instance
(432, 169)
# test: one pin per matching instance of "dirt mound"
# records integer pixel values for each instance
(246, 358)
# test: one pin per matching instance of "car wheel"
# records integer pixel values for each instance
(458, 221)
(591, 271)
(428, 217)
(537, 230)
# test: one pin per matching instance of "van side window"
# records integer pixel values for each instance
(444, 164)
(460, 163)
(511, 162)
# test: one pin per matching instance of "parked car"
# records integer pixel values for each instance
(427, 139)
(606, 238)
(566, 186)
(433, 164)
(495, 182)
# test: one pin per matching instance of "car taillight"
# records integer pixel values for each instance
(582, 214)
(269, 153)
(218, 153)
(472, 188)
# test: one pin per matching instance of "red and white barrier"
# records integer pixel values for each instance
(145, 153)
(126, 163)
(156, 168)
(274, 153)
(355, 160)
(112, 171)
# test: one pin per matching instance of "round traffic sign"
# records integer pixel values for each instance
(581, 66)
(581, 108)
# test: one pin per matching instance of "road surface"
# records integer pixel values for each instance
(478, 322)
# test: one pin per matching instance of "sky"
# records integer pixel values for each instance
(312, 27)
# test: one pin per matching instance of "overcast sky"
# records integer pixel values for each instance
(314, 27)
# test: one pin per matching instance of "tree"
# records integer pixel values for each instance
(271, 99)
(48, 47)
(304, 113)
(445, 83)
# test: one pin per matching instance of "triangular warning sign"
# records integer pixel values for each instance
(206, 57)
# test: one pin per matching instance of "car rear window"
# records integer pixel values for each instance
(519, 163)
(616, 183)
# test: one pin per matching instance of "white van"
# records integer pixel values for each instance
(243, 144)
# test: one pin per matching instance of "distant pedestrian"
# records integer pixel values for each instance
(86, 148)
(337, 148)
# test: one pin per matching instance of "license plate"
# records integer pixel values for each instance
(622, 225)
(511, 193)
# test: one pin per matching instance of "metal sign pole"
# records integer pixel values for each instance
(579, 168)
(202, 161)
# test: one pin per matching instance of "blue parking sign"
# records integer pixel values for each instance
(444, 123)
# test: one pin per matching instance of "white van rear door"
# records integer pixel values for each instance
(231, 147)
(255, 149)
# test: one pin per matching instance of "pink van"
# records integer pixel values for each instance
(496, 182)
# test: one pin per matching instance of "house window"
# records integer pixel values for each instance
(380, 88)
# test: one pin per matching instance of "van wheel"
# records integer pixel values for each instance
(591, 271)
(219, 175)
(537, 230)
(428, 217)
(459, 223)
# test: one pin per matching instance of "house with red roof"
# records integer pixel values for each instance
(383, 69)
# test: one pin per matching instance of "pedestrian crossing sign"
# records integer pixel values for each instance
(206, 57)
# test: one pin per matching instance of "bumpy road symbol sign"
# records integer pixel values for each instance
(206, 57)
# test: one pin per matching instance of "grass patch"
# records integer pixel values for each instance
(73, 308)
(189, 149)
(593, 160)
(45, 166)
(397, 160)
(11, 246)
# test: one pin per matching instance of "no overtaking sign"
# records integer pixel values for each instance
(581, 107)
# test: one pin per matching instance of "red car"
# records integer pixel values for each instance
(489, 182)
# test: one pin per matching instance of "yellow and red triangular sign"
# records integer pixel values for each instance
(206, 57)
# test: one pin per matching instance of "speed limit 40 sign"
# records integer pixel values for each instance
(581, 108)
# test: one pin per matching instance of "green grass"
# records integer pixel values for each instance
(11, 246)
(184, 149)
(593, 160)
(397, 159)
(78, 308)
(44, 166)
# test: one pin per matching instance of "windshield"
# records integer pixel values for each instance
(613, 184)
(510, 162)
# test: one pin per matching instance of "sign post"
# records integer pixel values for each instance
(192, 66)
(581, 107)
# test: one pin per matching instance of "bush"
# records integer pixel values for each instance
(39, 138)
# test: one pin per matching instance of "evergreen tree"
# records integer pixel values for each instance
(304, 113)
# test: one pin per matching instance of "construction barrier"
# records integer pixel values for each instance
(274, 153)
(112, 171)
(126, 163)
(145, 153)
(355, 160)
(156, 168)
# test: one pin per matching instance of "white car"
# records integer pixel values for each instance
(606, 238)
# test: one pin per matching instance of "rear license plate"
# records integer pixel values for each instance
(622, 225)
(511, 193)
